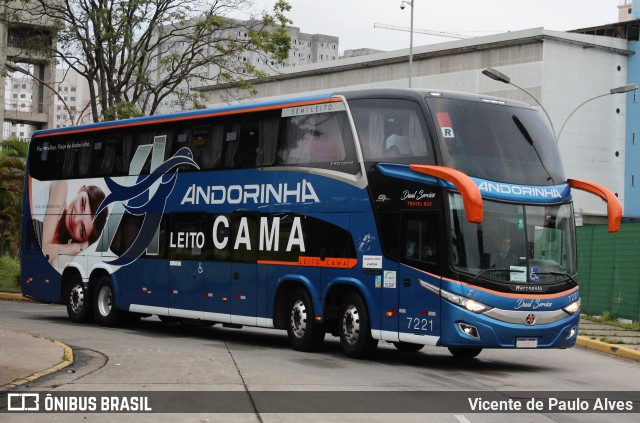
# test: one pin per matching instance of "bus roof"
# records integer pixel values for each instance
(213, 111)
(276, 104)
(426, 92)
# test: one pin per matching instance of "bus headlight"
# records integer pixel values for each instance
(475, 306)
(572, 308)
(459, 300)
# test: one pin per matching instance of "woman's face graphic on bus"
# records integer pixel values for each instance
(79, 217)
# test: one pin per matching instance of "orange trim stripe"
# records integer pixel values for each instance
(614, 209)
(503, 294)
(470, 192)
(192, 117)
(329, 262)
(520, 296)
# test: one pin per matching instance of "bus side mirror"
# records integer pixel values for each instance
(614, 209)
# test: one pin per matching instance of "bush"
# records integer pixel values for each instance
(9, 274)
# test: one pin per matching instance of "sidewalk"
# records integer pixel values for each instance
(25, 358)
(610, 339)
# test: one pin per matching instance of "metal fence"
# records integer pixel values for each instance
(609, 270)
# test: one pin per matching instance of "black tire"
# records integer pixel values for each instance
(104, 303)
(79, 303)
(305, 334)
(465, 353)
(354, 327)
(407, 346)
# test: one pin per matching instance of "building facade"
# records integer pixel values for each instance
(16, 53)
(305, 49)
(560, 69)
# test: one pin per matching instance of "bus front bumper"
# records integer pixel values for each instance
(507, 329)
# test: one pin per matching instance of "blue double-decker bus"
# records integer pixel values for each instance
(414, 217)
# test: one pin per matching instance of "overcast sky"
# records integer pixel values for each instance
(352, 20)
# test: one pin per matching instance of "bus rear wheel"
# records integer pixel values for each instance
(305, 334)
(104, 303)
(465, 353)
(355, 327)
(78, 302)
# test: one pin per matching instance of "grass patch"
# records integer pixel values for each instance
(607, 318)
(9, 274)
(611, 340)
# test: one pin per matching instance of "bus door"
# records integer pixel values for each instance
(187, 265)
(418, 308)
(217, 284)
(243, 289)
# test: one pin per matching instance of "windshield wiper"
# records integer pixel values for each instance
(495, 270)
(559, 274)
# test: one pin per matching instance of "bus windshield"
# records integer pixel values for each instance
(496, 142)
(515, 243)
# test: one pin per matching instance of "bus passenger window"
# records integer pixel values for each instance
(206, 144)
(230, 146)
(123, 155)
(211, 146)
(241, 145)
(84, 157)
(393, 130)
(70, 165)
(268, 139)
(321, 140)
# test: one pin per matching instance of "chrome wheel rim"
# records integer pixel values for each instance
(105, 301)
(298, 320)
(76, 298)
(351, 325)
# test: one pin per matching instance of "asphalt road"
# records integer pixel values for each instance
(152, 356)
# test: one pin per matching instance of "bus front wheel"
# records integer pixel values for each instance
(104, 303)
(355, 327)
(465, 353)
(78, 302)
(305, 334)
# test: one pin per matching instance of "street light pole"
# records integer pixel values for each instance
(500, 77)
(402, 5)
(617, 90)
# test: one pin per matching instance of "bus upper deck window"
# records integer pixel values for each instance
(392, 130)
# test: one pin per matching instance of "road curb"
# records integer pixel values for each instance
(67, 360)
(14, 296)
(603, 347)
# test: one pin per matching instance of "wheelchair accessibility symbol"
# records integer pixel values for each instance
(533, 274)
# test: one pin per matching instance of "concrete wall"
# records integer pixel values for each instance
(632, 144)
(592, 143)
(561, 70)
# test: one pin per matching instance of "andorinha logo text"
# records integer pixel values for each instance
(283, 193)
(519, 190)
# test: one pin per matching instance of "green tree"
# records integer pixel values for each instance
(136, 53)
(13, 153)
